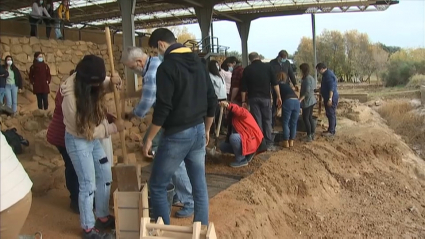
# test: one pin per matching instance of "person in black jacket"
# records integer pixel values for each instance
(184, 108)
(281, 64)
(3, 76)
(258, 80)
(13, 84)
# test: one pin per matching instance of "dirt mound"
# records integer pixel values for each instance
(363, 183)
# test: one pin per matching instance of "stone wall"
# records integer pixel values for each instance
(61, 56)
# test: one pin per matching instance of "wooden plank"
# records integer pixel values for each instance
(196, 230)
(143, 229)
(211, 232)
(127, 214)
(127, 177)
(117, 218)
(145, 201)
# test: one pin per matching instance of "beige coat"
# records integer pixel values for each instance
(69, 109)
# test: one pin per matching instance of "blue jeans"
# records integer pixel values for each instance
(187, 146)
(180, 179)
(290, 115)
(2, 93)
(11, 92)
(94, 176)
(331, 114)
(234, 146)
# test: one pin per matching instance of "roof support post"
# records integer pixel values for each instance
(313, 27)
(243, 28)
(127, 12)
(204, 15)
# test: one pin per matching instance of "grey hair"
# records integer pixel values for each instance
(131, 53)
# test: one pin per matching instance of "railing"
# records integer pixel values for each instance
(22, 28)
(206, 45)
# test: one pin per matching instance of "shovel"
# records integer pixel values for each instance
(212, 152)
(127, 175)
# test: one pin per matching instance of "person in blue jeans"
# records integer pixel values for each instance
(290, 111)
(329, 92)
(146, 66)
(184, 108)
(3, 76)
(85, 122)
(13, 84)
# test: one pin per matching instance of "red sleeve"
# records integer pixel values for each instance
(31, 75)
(238, 111)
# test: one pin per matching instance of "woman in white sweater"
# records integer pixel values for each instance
(15, 192)
(217, 81)
(219, 87)
(36, 15)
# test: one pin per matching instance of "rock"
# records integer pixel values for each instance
(42, 183)
(136, 121)
(4, 40)
(16, 49)
(27, 49)
(44, 149)
(21, 57)
(14, 41)
(46, 43)
(135, 137)
(36, 47)
(24, 40)
(11, 123)
(83, 48)
(58, 161)
(128, 124)
(59, 178)
(65, 68)
(50, 58)
(31, 125)
(38, 113)
(34, 40)
(55, 80)
(6, 48)
(142, 127)
(42, 134)
(36, 158)
(68, 43)
(59, 53)
(148, 119)
(75, 59)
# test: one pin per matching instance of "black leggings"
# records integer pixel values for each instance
(42, 101)
(33, 23)
(308, 120)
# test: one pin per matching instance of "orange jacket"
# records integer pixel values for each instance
(246, 126)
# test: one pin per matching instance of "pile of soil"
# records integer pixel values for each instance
(365, 182)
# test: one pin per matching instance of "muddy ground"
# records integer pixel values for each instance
(364, 183)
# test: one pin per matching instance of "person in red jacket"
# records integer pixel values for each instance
(56, 137)
(244, 137)
(40, 79)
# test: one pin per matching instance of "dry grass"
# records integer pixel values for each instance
(402, 118)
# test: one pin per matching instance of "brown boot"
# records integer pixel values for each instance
(291, 143)
(285, 144)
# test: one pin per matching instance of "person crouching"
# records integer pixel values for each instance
(244, 137)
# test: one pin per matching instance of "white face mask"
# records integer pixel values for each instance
(9, 62)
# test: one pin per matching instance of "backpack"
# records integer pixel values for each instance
(15, 140)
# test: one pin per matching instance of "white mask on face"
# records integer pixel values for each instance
(9, 62)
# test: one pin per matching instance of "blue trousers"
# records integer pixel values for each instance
(290, 115)
(187, 146)
(331, 115)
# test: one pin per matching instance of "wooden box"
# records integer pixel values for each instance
(129, 209)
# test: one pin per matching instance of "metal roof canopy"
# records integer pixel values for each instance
(162, 13)
(130, 15)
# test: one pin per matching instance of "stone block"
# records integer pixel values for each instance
(34, 40)
(65, 67)
(27, 49)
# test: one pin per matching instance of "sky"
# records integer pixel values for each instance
(400, 25)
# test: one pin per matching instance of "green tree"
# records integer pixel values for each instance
(304, 53)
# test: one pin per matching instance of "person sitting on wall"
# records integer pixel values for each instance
(244, 136)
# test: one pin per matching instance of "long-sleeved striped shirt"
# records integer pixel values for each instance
(149, 88)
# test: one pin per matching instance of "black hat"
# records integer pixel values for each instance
(91, 69)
